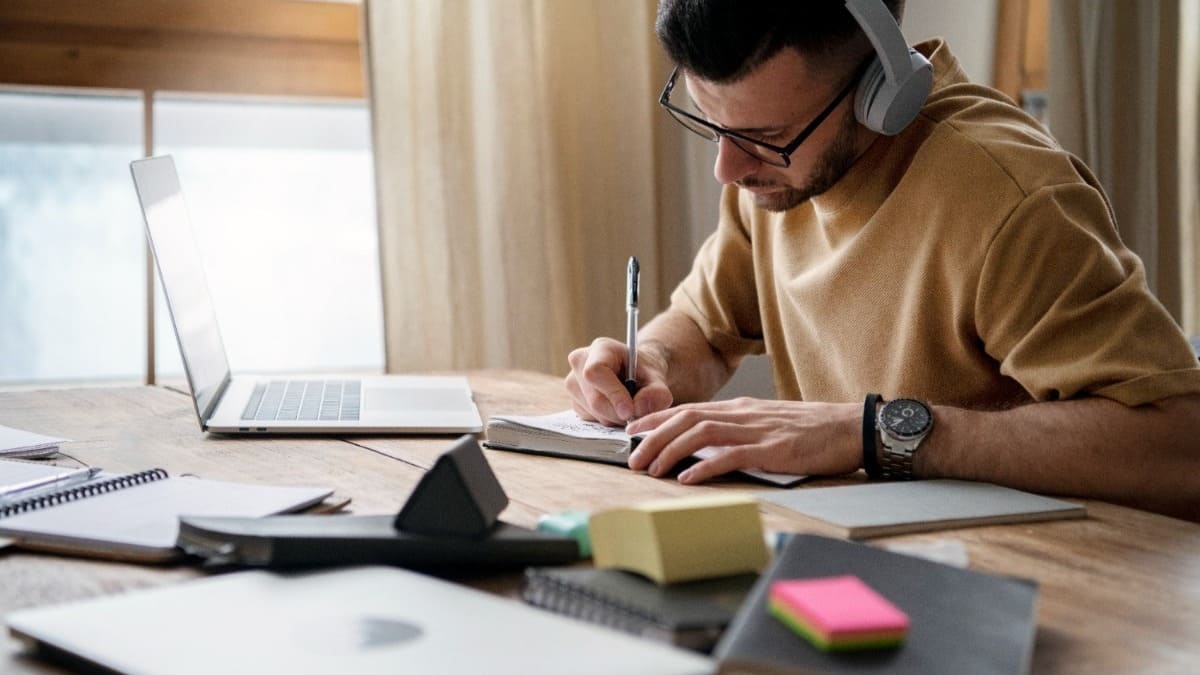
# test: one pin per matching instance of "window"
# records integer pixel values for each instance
(71, 249)
(282, 201)
(271, 142)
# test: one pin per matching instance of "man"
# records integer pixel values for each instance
(967, 263)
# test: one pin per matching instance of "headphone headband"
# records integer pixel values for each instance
(884, 33)
(898, 80)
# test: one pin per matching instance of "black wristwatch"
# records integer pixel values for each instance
(903, 424)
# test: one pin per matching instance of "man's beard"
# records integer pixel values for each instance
(830, 168)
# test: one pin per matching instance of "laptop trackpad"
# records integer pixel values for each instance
(406, 399)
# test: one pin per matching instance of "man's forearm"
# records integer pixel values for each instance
(1147, 456)
(695, 370)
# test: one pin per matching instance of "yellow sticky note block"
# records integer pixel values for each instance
(681, 539)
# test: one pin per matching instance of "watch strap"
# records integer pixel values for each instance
(896, 464)
(870, 458)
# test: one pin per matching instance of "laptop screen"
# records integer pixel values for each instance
(169, 232)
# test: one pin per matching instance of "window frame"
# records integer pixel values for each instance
(287, 49)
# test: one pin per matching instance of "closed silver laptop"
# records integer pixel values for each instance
(309, 404)
(351, 620)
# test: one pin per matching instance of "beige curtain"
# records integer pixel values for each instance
(517, 161)
(1123, 96)
(1189, 153)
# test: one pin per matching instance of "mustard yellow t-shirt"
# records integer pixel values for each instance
(968, 261)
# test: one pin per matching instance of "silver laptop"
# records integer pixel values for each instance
(230, 403)
(351, 620)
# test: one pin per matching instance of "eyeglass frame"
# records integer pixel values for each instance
(784, 151)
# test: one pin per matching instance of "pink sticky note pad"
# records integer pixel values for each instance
(839, 607)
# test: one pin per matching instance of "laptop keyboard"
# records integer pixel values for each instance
(308, 400)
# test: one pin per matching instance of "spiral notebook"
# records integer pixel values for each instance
(689, 615)
(136, 516)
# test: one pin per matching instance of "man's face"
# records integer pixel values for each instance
(773, 103)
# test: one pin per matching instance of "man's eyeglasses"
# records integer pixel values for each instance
(775, 155)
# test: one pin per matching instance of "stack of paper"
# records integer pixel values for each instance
(26, 444)
(672, 540)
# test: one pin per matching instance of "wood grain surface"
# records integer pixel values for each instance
(1119, 590)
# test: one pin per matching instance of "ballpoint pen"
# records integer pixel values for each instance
(631, 325)
(31, 488)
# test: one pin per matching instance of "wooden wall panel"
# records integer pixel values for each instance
(1022, 34)
(1010, 34)
(291, 19)
(1037, 44)
(267, 47)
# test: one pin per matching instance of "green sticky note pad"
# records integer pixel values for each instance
(572, 524)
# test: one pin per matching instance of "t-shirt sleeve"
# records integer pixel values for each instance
(1063, 306)
(719, 294)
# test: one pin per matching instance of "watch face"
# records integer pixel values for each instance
(905, 417)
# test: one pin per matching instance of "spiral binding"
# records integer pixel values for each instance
(82, 492)
(583, 603)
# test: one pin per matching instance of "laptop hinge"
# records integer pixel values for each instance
(206, 415)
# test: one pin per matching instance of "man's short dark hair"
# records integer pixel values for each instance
(722, 40)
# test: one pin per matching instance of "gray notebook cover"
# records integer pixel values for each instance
(961, 621)
(690, 614)
(877, 509)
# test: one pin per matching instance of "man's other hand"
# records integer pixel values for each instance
(778, 436)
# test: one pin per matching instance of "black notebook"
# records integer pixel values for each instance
(690, 614)
(306, 541)
(961, 621)
(449, 520)
(136, 516)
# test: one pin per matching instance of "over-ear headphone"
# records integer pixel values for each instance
(897, 81)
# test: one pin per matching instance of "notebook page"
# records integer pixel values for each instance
(567, 423)
(147, 515)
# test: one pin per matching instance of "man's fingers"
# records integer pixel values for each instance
(597, 392)
(693, 413)
(601, 376)
(692, 438)
(723, 461)
(679, 437)
(651, 398)
(589, 407)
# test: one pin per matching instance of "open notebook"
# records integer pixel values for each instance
(563, 434)
(136, 516)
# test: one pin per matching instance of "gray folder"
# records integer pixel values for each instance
(961, 621)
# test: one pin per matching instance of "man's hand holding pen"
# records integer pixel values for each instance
(613, 383)
(598, 391)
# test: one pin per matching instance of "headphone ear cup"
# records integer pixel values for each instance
(887, 108)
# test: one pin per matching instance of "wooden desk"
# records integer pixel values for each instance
(1120, 591)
